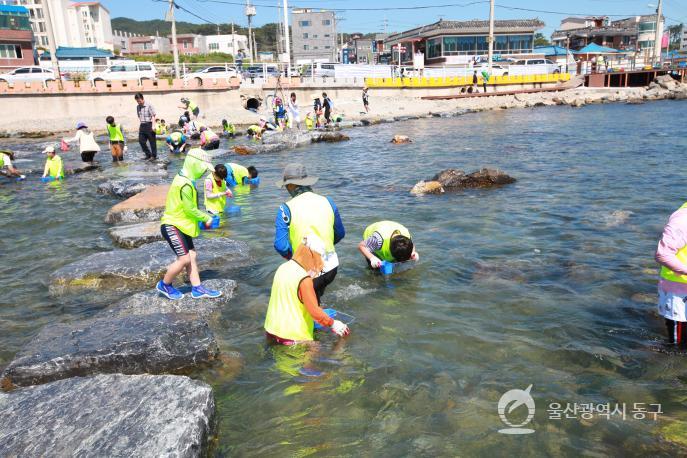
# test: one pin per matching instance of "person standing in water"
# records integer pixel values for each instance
(308, 213)
(146, 135)
(366, 100)
(117, 139)
(53, 164)
(6, 158)
(87, 145)
(294, 113)
(190, 105)
(387, 241)
(179, 225)
(671, 254)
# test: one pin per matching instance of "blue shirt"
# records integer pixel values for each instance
(282, 243)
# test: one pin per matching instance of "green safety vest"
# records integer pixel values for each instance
(681, 255)
(230, 129)
(176, 138)
(174, 210)
(287, 316)
(115, 133)
(387, 229)
(2, 160)
(54, 166)
(160, 129)
(254, 128)
(311, 214)
(216, 205)
(192, 106)
(240, 172)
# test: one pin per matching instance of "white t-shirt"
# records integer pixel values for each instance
(86, 141)
(7, 160)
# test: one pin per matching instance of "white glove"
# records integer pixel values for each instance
(415, 256)
(126, 148)
(375, 262)
(340, 329)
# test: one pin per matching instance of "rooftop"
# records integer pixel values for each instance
(473, 26)
(64, 52)
(75, 4)
(13, 9)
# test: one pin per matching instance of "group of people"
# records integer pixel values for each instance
(307, 228)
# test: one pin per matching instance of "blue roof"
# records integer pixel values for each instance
(550, 50)
(64, 52)
(593, 48)
(13, 9)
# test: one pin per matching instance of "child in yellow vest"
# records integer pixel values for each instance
(293, 306)
(387, 241)
(53, 165)
(216, 190)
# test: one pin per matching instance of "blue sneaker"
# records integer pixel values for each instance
(200, 291)
(169, 291)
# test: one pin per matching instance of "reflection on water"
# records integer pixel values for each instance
(545, 282)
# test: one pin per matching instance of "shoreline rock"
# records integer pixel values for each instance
(400, 139)
(148, 205)
(122, 188)
(109, 415)
(134, 344)
(455, 180)
(135, 235)
(127, 270)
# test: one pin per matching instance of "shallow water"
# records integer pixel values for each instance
(527, 284)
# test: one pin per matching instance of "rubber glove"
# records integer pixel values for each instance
(340, 329)
(21, 178)
(126, 148)
(375, 262)
(228, 193)
(415, 256)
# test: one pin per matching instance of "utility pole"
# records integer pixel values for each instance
(659, 33)
(233, 40)
(339, 19)
(175, 50)
(490, 55)
(51, 43)
(250, 12)
(287, 42)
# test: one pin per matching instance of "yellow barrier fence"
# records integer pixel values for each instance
(453, 81)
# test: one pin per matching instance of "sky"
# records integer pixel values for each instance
(424, 12)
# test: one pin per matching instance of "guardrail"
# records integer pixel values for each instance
(453, 81)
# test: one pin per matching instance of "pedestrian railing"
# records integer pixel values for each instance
(453, 81)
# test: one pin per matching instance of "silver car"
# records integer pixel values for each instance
(212, 73)
(28, 74)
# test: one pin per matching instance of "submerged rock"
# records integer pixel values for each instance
(108, 415)
(132, 269)
(122, 188)
(135, 235)
(148, 205)
(133, 344)
(400, 139)
(453, 180)
(243, 150)
(329, 137)
(148, 302)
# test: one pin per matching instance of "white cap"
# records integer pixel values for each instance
(49, 149)
(314, 243)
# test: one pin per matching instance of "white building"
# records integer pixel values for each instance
(229, 44)
(75, 24)
(683, 39)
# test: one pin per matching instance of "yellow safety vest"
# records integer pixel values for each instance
(2, 160)
(309, 123)
(216, 205)
(240, 172)
(115, 133)
(54, 167)
(311, 214)
(287, 316)
(174, 210)
(387, 229)
(681, 255)
(192, 106)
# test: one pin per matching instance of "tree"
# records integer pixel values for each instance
(675, 36)
(541, 40)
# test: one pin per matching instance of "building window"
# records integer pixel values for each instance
(187, 44)
(214, 46)
(501, 43)
(314, 36)
(44, 41)
(326, 35)
(433, 48)
(316, 47)
(305, 35)
(327, 47)
(306, 47)
(647, 26)
(10, 51)
(327, 22)
(305, 23)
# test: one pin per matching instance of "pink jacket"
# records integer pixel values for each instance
(673, 239)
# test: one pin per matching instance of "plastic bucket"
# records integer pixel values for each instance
(331, 313)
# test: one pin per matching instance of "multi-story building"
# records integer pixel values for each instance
(190, 44)
(313, 36)
(683, 39)
(74, 24)
(122, 40)
(633, 33)
(457, 42)
(229, 44)
(149, 45)
(16, 37)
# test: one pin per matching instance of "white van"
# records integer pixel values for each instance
(127, 71)
(534, 67)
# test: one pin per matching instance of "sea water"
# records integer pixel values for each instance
(548, 282)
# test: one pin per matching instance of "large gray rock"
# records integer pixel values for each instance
(131, 344)
(122, 269)
(293, 138)
(122, 188)
(148, 205)
(108, 415)
(135, 235)
(148, 302)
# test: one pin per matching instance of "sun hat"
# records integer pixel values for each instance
(296, 174)
(80, 125)
(49, 149)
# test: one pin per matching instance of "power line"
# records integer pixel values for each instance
(178, 6)
(395, 8)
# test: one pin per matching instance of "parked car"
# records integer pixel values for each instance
(211, 73)
(534, 66)
(28, 74)
(258, 71)
(127, 71)
(496, 70)
(321, 69)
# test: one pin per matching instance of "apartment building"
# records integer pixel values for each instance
(229, 44)
(16, 37)
(313, 36)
